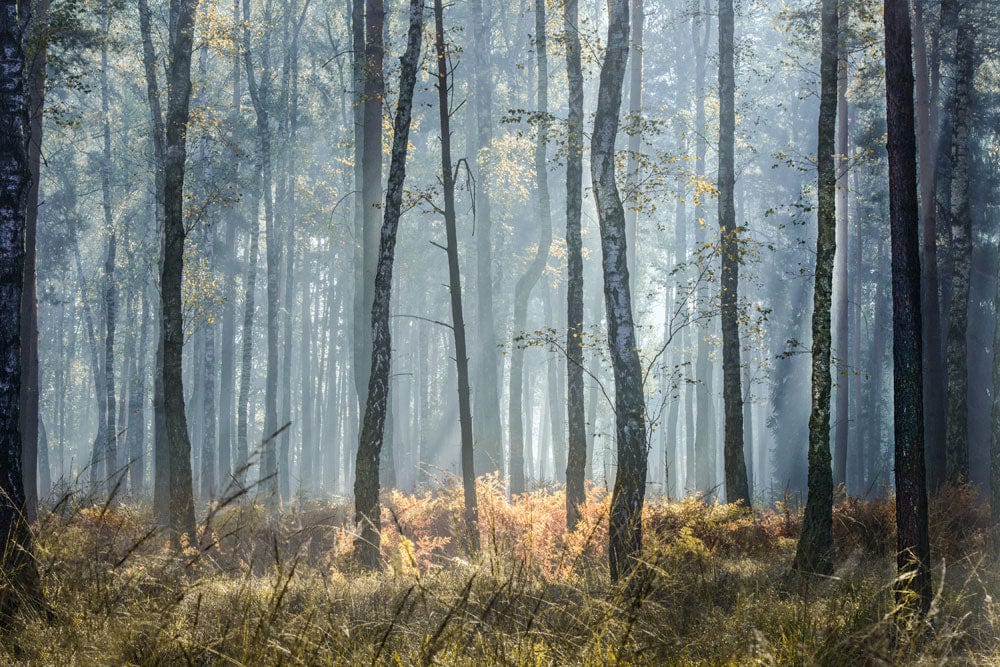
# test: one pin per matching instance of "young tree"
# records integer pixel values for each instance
(455, 286)
(576, 453)
(366, 484)
(178, 109)
(737, 486)
(912, 544)
(625, 525)
(815, 548)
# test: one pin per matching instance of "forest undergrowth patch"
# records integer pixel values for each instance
(715, 587)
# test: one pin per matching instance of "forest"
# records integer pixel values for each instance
(705, 374)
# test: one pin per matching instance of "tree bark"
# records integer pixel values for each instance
(37, 43)
(367, 513)
(815, 547)
(912, 546)
(576, 415)
(178, 107)
(20, 583)
(634, 141)
(957, 444)
(737, 486)
(935, 382)
(625, 524)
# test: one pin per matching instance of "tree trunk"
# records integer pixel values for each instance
(737, 487)
(526, 283)
(957, 445)
(309, 461)
(935, 382)
(705, 442)
(178, 105)
(912, 547)
(840, 263)
(815, 548)
(20, 572)
(486, 408)
(246, 360)
(136, 433)
(36, 39)
(455, 287)
(576, 415)
(625, 524)
(366, 486)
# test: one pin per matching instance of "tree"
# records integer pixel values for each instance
(529, 279)
(957, 443)
(455, 286)
(366, 484)
(840, 262)
(737, 486)
(912, 544)
(181, 502)
(625, 524)
(576, 453)
(815, 547)
(17, 567)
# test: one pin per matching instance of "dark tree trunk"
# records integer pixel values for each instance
(455, 287)
(110, 296)
(20, 580)
(37, 42)
(625, 524)
(366, 486)
(957, 444)
(737, 487)
(576, 453)
(912, 547)
(178, 104)
(815, 548)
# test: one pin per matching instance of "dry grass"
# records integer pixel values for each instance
(717, 590)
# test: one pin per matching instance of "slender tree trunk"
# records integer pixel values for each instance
(935, 382)
(306, 359)
(576, 415)
(486, 408)
(705, 442)
(912, 546)
(840, 263)
(455, 286)
(110, 296)
(246, 359)
(366, 486)
(178, 105)
(737, 487)
(37, 41)
(526, 283)
(957, 445)
(625, 525)
(815, 548)
(136, 433)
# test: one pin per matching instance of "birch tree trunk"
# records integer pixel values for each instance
(367, 512)
(815, 548)
(625, 521)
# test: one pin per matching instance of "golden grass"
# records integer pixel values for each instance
(260, 590)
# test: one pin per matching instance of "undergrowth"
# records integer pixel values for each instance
(715, 588)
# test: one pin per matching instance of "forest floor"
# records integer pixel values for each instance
(262, 590)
